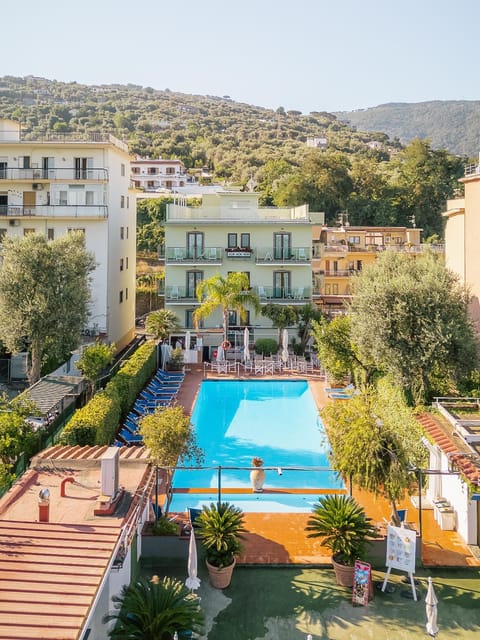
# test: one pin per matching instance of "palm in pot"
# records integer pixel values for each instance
(220, 529)
(346, 531)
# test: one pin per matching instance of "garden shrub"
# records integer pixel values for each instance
(266, 346)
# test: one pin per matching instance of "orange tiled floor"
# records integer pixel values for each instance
(280, 538)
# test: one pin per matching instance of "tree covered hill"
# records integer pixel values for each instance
(232, 139)
(453, 125)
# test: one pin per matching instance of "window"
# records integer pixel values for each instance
(27, 232)
(122, 202)
(24, 162)
(121, 264)
(126, 293)
(282, 246)
(89, 198)
(83, 168)
(245, 240)
(193, 280)
(126, 262)
(122, 169)
(128, 202)
(135, 169)
(50, 234)
(120, 299)
(195, 244)
(232, 318)
(73, 229)
(127, 233)
(63, 198)
(281, 284)
(189, 321)
(152, 171)
(122, 233)
(353, 239)
(170, 171)
(232, 240)
(150, 184)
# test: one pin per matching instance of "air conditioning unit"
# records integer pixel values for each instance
(37, 186)
(14, 223)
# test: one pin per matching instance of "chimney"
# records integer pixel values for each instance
(109, 462)
(44, 505)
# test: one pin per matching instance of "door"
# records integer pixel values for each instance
(194, 244)
(282, 246)
(83, 168)
(29, 201)
(193, 279)
(281, 284)
(48, 168)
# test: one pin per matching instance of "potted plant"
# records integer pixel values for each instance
(346, 530)
(220, 530)
(257, 475)
(175, 362)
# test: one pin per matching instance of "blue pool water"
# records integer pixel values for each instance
(276, 420)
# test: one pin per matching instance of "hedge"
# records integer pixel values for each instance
(97, 422)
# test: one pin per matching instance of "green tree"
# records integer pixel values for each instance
(336, 349)
(410, 318)
(280, 315)
(169, 435)
(44, 296)
(376, 441)
(307, 315)
(154, 610)
(162, 323)
(16, 434)
(94, 359)
(228, 294)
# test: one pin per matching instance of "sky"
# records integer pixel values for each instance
(307, 55)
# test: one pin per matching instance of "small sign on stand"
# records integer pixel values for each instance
(362, 581)
(401, 545)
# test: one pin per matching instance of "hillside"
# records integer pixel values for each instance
(450, 125)
(232, 139)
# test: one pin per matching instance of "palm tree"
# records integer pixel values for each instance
(162, 323)
(153, 610)
(229, 294)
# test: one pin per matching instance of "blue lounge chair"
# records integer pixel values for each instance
(130, 438)
(349, 387)
(342, 396)
(165, 377)
(157, 394)
(131, 426)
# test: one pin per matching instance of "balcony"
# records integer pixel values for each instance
(54, 211)
(332, 273)
(184, 256)
(292, 295)
(175, 294)
(290, 256)
(47, 175)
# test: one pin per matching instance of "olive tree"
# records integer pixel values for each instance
(409, 317)
(44, 296)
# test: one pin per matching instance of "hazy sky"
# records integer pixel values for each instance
(310, 55)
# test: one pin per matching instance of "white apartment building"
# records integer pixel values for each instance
(62, 183)
(230, 232)
(157, 175)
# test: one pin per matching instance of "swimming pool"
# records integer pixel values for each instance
(274, 419)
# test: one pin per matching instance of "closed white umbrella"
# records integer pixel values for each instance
(187, 341)
(431, 602)
(284, 354)
(193, 581)
(246, 345)
(220, 354)
(165, 351)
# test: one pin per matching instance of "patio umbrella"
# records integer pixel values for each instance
(284, 354)
(246, 345)
(187, 341)
(193, 581)
(431, 609)
(220, 354)
(165, 352)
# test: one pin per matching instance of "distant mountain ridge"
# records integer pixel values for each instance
(453, 125)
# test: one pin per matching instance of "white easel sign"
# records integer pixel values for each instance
(401, 544)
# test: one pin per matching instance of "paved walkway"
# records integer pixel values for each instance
(279, 538)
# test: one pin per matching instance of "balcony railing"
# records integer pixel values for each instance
(212, 255)
(277, 294)
(54, 211)
(472, 170)
(174, 293)
(332, 273)
(292, 255)
(35, 174)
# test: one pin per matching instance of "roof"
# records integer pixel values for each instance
(57, 566)
(49, 392)
(467, 462)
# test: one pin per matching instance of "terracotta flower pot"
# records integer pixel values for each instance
(343, 574)
(220, 578)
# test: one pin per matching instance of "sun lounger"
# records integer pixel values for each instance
(149, 396)
(344, 396)
(164, 376)
(130, 438)
(349, 387)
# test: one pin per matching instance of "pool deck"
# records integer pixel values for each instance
(279, 538)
